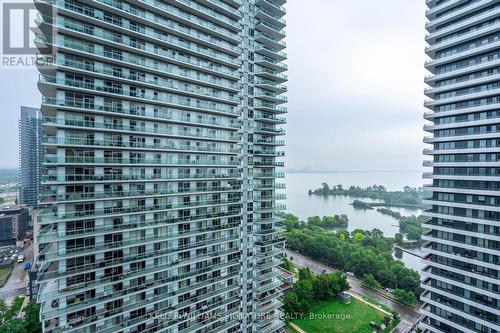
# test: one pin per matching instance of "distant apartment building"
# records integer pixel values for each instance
(461, 281)
(30, 156)
(162, 125)
(15, 222)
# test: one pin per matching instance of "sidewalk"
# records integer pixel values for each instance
(295, 327)
(360, 298)
(25, 303)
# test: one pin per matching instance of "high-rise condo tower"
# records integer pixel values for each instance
(162, 125)
(461, 280)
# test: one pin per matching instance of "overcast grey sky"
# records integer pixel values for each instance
(355, 86)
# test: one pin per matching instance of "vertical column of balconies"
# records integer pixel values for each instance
(248, 273)
(462, 239)
(268, 87)
(141, 116)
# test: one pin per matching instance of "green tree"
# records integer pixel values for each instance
(325, 190)
(305, 274)
(291, 303)
(33, 324)
(370, 256)
(290, 221)
(405, 297)
(16, 325)
(358, 237)
(3, 310)
(304, 291)
(399, 238)
(29, 324)
(287, 265)
(370, 281)
(314, 220)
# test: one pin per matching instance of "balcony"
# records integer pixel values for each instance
(71, 141)
(47, 216)
(47, 83)
(54, 196)
(127, 60)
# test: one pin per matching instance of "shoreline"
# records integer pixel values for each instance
(373, 205)
(345, 193)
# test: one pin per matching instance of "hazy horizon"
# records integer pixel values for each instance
(355, 87)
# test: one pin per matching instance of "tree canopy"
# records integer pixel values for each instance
(311, 289)
(361, 252)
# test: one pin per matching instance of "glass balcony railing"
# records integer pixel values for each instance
(51, 271)
(135, 177)
(120, 109)
(266, 71)
(269, 153)
(148, 129)
(281, 55)
(207, 11)
(259, 58)
(271, 15)
(162, 83)
(173, 232)
(270, 241)
(218, 321)
(78, 141)
(226, 7)
(53, 196)
(169, 69)
(269, 175)
(276, 196)
(273, 27)
(274, 5)
(260, 34)
(114, 38)
(48, 216)
(80, 9)
(269, 186)
(265, 94)
(171, 99)
(271, 83)
(268, 164)
(268, 208)
(178, 13)
(275, 131)
(269, 142)
(135, 59)
(110, 296)
(51, 252)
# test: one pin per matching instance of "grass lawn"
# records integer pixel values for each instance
(4, 275)
(357, 317)
(15, 307)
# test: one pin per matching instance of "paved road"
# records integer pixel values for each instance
(16, 285)
(409, 316)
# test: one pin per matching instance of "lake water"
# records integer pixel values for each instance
(300, 203)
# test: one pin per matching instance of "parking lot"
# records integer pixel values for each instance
(16, 285)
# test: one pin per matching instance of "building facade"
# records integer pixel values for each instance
(15, 223)
(30, 156)
(161, 138)
(462, 242)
